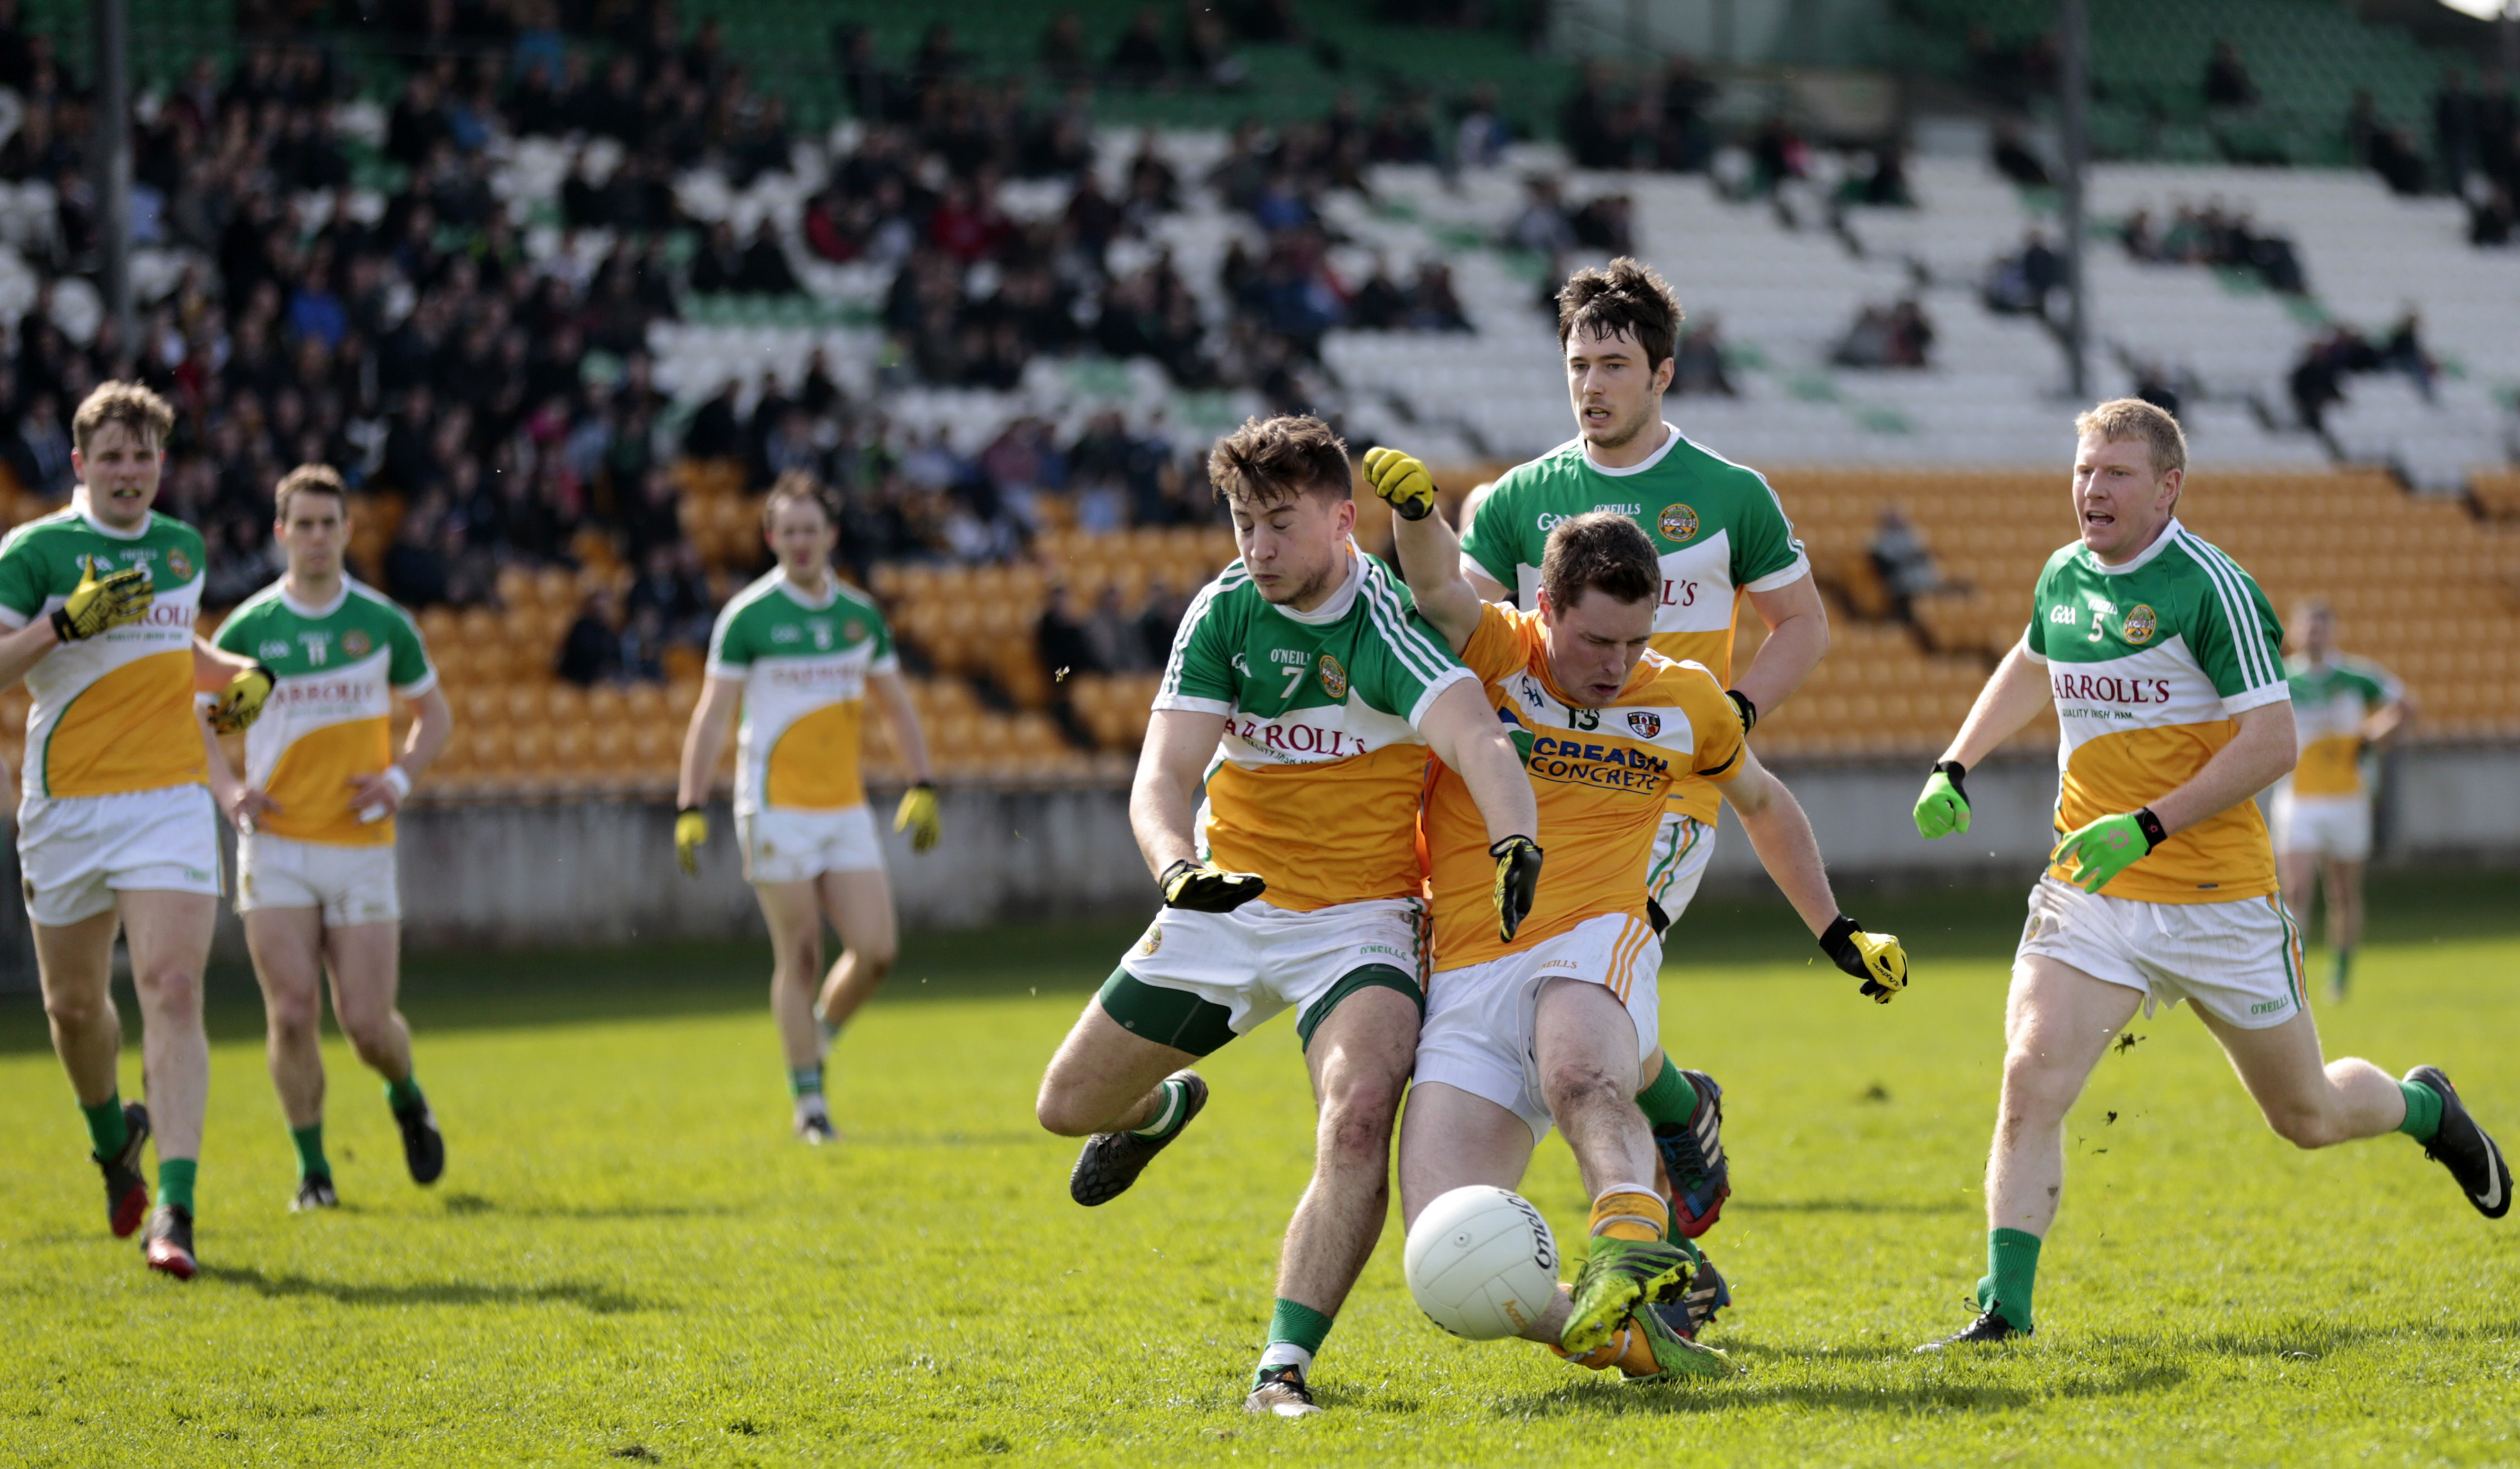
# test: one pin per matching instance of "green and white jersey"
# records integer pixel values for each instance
(2329, 703)
(1316, 782)
(803, 664)
(330, 715)
(2150, 664)
(1718, 528)
(111, 713)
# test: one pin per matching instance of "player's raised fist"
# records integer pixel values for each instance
(1202, 887)
(1877, 958)
(1401, 479)
(917, 815)
(242, 705)
(1944, 808)
(97, 603)
(691, 834)
(1517, 883)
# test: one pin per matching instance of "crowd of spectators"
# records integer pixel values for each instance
(2318, 380)
(1896, 336)
(2214, 236)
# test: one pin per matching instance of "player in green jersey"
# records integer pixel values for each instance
(316, 881)
(2344, 708)
(801, 651)
(1722, 538)
(117, 829)
(2163, 661)
(1276, 803)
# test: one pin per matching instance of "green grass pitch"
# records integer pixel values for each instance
(629, 1261)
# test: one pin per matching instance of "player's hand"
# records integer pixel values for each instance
(246, 806)
(691, 834)
(242, 705)
(380, 794)
(1205, 888)
(97, 603)
(1877, 958)
(1517, 883)
(1402, 481)
(1944, 808)
(917, 815)
(2097, 852)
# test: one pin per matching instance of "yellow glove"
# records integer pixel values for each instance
(1202, 888)
(1873, 957)
(97, 603)
(1401, 479)
(242, 705)
(917, 815)
(691, 834)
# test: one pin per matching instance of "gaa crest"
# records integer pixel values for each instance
(1678, 522)
(355, 644)
(1333, 677)
(2140, 624)
(1646, 724)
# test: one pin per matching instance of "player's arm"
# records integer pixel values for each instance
(1797, 624)
(1164, 805)
(241, 802)
(97, 604)
(2262, 752)
(1781, 834)
(1430, 554)
(1481, 581)
(703, 741)
(2390, 721)
(2013, 693)
(1463, 733)
(241, 684)
(432, 719)
(916, 814)
(26, 647)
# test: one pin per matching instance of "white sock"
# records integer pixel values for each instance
(1286, 1354)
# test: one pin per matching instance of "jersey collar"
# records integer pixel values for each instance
(2169, 532)
(100, 527)
(310, 610)
(1670, 441)
(1336, 605)
(799, 595)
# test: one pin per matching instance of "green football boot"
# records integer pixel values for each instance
(1618, 1277)
(1676, 1355)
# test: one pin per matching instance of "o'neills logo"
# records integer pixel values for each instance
(1644, 724)
(2140, 624)
(2107, 688)
(1333, 677)
(1678, 522)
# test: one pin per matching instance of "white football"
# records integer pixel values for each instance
(1481, 1262)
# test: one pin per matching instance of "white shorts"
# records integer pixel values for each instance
(2239, 960)
(349, 884)
(2336, 828)
(1261, 958)
(1682, 849)
(783, 845)
(76, 852)
(1479, 1033)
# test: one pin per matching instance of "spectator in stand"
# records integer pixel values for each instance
(2013, 158)
(1900, 559)
(2022, 285)
(1136, 59)
(1062, 51)
(1598, 132)
(1480, 132)
(1434, 305)
(1378, 305)
(1606, 223)
(2453, 132)
(2156, 386)
(2491, 220)
(1159, 622)
(1893, 337)
(1111, 637)
(1541, 225)
(1683, 141)
(591, 653)
(1060, 639)
(40, 454)
(2403, 350)
(1698, 366)
(2227, 81)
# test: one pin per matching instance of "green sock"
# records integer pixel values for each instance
(310, 1151)
(404, 1094)
(2011, 1269)
(1170, 1117)
(2423, 1111)
(1669, 1100)
(2342, 971)
(806, 1081)
(1295, 1332)
(107, 1127)
(175, 1181)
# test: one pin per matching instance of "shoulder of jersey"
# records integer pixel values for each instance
(754, 591)
(855, 594)
(2062, 556)
(1671, 676)
(2206, 555)
(380, 601)
(41, 527)
(1711, 461)
(160, 521)
(259, 603)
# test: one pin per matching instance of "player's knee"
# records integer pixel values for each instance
(2306, 1127)
(172, 997)
(1057, 1111)
(1575, 1086)
(76, 1011)
(293, 1017)
(1356, 1124)
(874, 961)
(2034, 1086)
(370, 1033)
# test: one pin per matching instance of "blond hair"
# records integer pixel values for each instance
(2122, 420)
(308, 480)
(147, 416)
(793, 487)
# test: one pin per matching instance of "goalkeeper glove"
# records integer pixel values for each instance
(1873, 957)
(97, 603)
(242, 705)
(2100, 852)
(1518, 882)
(1944, 808)
(691, 834)
(1749, 711)
(1205, 888)
(917, 815)
(1401, 479)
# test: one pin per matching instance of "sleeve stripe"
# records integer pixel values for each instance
(2248, 633)
(1199, 606)
(1415, 651)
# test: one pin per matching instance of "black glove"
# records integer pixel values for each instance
(1873, 957)
(1205, 888)
(1518, 882)
(1749, 710)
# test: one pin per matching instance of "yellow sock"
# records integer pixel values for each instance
(1627, 1212)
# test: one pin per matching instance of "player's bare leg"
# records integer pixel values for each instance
(288, 948)
(2309, 1103)
(366, 962)
(860, 907)
(75, 963)
(793, 912)
(1452, 1140)
(2344, 921)
(1127, 1096)
(168, 934)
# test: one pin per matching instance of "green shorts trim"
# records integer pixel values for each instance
(1371, 975)
(1176, 1018)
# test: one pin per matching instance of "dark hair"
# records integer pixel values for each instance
(1598, 549)
(1627, 298)
(308, 480)
(1270, 459)
(791, 487)
(147, 416)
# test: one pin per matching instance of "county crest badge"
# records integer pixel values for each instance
(355, 644)
(1333, 677)
(179, 565)
(1678, 522)
(2140, 624)
(1646, 723)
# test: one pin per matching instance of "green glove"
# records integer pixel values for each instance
(1944, 808)
(1401, 479)
(2100, 852)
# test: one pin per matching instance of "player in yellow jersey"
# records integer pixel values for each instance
(1551, 1025)
(799, 651)
(116, 826)
(316, 882)
(2163, 661)
(2344, 708)
(1276, 803)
